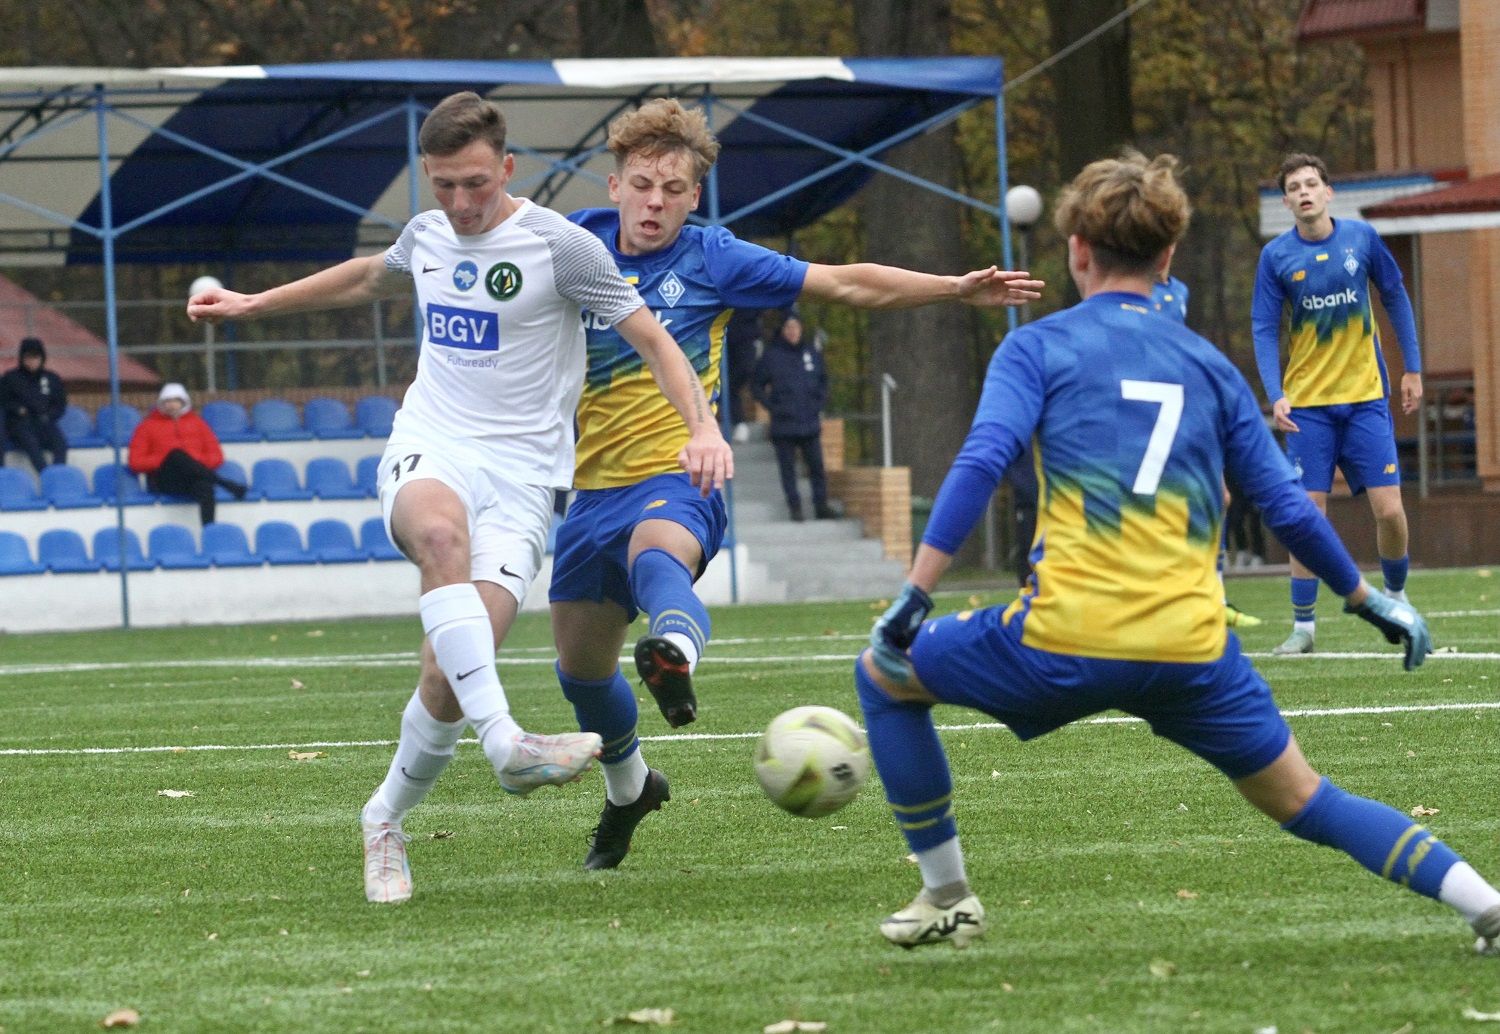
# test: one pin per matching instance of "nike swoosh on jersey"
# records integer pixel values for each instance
(465, 674)
(507, 570)
(430, 269)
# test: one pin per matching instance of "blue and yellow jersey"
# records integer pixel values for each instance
(1334, 351)
(627, 431)
(1170, 298)
(1133, 419)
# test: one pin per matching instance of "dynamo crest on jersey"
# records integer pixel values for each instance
(465, 276)
(1351, 264)
(671, 290)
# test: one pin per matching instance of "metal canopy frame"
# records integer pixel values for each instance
(58, 103)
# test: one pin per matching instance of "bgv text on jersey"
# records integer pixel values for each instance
(463, 328)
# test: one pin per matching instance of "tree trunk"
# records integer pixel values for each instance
(1092, 84)
(929, 351)
(615, 28)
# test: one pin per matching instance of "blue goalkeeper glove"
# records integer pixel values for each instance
(897, 629)
(1398, 622)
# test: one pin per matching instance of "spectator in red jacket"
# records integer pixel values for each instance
(179, 453)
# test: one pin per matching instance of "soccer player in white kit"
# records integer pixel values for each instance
(482, 439)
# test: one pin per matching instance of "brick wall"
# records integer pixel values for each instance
(881, 498)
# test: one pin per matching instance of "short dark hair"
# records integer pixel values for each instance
(1297, 160)
(458, 121)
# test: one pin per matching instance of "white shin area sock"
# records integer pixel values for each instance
(1467, 891)
(458, 626)
(942, 866)
(424, 750)
(686, 645)
(624, 780)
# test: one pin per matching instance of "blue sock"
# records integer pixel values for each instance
(1376, 836)
(606, 706)
(911, 763)
(663, 588)
(1395, 573)
(1304, 598)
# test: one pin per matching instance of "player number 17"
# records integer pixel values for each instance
(1169, 398)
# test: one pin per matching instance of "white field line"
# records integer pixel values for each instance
(1308, 712)
(388, 660)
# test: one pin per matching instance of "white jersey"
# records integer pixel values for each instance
(502, 334)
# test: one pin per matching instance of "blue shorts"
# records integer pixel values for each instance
(593, 541)
(1359, 437)
(1222, 711)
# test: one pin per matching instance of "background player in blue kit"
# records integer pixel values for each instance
(1135, 420)
(1332, 401)
(638, 534)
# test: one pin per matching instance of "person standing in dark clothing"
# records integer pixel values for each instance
(34, 400)
(791, 381)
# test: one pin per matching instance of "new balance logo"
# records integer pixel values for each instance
(465, 674)
(1348, 296)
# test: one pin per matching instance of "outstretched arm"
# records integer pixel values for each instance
(706, 457)
(866, 285)
(349, 283)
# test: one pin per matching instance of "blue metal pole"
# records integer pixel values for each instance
(1003, 174)
(112, 330)
(712, 190)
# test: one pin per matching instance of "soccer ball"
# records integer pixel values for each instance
(812, 760)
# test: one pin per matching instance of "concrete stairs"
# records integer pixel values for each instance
(815, 560)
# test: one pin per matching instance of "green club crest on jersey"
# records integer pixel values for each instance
(503, 281)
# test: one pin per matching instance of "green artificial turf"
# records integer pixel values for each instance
(1128, 887)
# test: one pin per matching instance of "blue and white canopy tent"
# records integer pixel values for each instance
(318, 162)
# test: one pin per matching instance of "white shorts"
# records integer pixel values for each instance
(508, 519)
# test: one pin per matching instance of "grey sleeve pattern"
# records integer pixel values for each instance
(398, 255)
(582, 267)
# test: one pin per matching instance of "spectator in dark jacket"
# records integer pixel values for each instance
(179, 453)
(34, 400)
(791, 381)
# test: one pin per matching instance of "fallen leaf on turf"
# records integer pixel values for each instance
(315, 633)
(298, 684)
(645, 1018)
(1419, 812)
(174, 793)
(121, 1018)
(1161, 969)
(441, 834)
(975, 601)
(994, 773)
(792, 1026)
(1187, 895)
(912, 858)
(213, 937)
(1007, 987)
(306, 755)
(1475, 1014)
(614, 924)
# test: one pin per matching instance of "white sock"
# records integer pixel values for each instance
(942, 867)
(687, 646)
(458, 626)
(624, 780)
(1310, 627)
(1467, 891)
(424, 750)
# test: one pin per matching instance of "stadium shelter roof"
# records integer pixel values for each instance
(317, 161)
(1474, 205)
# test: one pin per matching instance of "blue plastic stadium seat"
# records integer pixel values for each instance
(113, 476)
(77, 426)
(277, 421)
(104, 423)
(65, 487)
(374, 413)
(328, 478)
(332, 542)
(329, 418)
(229, 420)
(18, 491)
(367, 475)
(234, 472)
(172, 546)
(107, 550)
(276, 479)
(225, 545)
(281, 543)
(374, 541)
(63, 551)
(15, 555)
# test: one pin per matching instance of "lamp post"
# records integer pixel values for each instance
(198, 286)
(1023, 207)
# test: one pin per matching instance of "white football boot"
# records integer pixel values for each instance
(537, 760)
(387, 872)
(922, 922)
